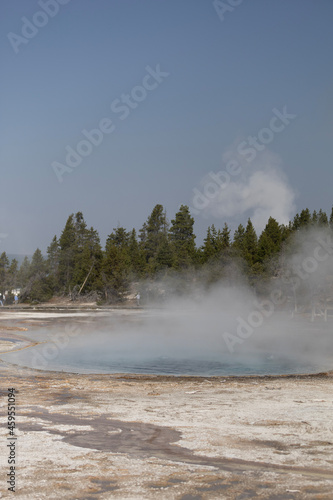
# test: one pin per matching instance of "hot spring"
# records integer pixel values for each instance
(184, 342)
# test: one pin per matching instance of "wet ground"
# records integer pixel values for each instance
(183, 438)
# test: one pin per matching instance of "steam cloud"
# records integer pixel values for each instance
(259, 191)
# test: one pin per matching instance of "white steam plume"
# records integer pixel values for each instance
(260, 190)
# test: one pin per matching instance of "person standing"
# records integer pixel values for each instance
(16, 299)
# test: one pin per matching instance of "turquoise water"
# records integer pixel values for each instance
(193, 367)
(165, 349)
(105, 359)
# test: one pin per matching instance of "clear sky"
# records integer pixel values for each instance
(185, 87)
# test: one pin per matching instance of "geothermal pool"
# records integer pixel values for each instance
(170, 366)
(86, 361)
(297, 348)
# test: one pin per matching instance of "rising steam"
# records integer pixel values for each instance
(259, 191)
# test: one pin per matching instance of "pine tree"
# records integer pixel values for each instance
(322, 219)
(238, 242)
(24, 273)
(116, 267)
(165, 257)
(182, 237)
(80, 227)
(265, 247)
(38, 288)
(136, 256)
(37, 265)
(143, 235)
(52, 263)
(224, 237)
(120, 237)
(153, 235)
(67, 255)
(331, 219)
(215, 243)
(12, 280)
(305, 218)
(208, 249)
(296, 224)
(250, 244)
(285, 232)
(88, 267)
(270, 240)
(4, 266)
(80, 257)
(274, 233)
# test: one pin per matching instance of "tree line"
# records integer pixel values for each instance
(77, 265)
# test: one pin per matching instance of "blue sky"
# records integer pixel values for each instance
(225, 77)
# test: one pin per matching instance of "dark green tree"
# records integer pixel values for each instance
(270, 240)
(331, 219)
(250, 244)
(322, 219)
(238, 242)
(37, 265)
(295, 225)
(224, 237)
(38, 288)
(116, 266)
(67, 254)
(12, 280)
(120, 237)
(182, 238)
(24, 273)
(153, 236)
(89, 266)
(215, 243)
(52, 264)
(4, 266)
(208, 250)
(305, 218)
(80, 257)
(136, 255)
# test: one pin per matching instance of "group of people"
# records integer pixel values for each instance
(3, 299)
